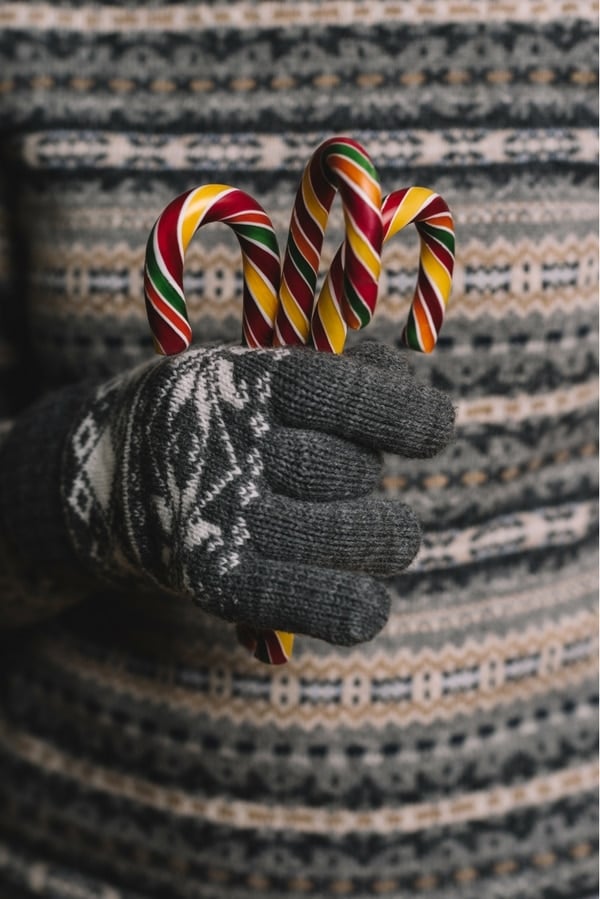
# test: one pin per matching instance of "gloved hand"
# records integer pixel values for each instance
(244, 479)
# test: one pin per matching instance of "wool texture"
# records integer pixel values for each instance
(143, 754)
(166, 474)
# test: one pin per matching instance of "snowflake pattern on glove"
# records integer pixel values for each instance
(162, 468)
(243, 479)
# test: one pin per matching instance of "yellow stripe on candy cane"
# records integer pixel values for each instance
(332, 318)
(411, 205)
(363, 250)
(287, 642)
(261, 290)
(436, 272)
(313, 204)
(196, 207)
(294, 313)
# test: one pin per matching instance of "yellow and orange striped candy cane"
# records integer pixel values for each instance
(433, 220)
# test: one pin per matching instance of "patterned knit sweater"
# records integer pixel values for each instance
(142, 752)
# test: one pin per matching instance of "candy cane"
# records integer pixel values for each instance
(334, 310)
(349, 294)
(270, 647)
(166, 304)
(434, 223)
(165, 251)
(339, 163)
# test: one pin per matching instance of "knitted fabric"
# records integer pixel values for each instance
(30, 471)
(180, 472)
(142, 753)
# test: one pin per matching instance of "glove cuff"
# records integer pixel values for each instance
(31, 510)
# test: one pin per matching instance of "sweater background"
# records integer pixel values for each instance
(142, 753)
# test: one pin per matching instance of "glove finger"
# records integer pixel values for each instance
(377, 406)
(340, 607)
(382, 355)
(374, 535)
(317, 466)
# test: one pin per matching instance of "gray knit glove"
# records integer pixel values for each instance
(244, 480)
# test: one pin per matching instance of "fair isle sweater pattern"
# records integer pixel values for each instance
(142, 754)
